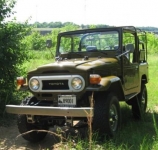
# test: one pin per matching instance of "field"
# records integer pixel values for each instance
(153, 82)
(133, 135)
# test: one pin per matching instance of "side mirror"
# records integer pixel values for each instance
(129, 47)
(49, 43)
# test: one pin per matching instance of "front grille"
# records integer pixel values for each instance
(46, 95)
(55, 85)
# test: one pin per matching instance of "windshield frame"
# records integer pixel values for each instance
(88, 32)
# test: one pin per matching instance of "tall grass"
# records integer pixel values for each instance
(152, 86)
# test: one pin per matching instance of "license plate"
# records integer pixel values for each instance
(67, 100)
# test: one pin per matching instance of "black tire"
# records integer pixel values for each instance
(106, 119)
(24, 126)
(139, 103)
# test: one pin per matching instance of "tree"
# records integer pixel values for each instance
(6, 9)
(12, 53)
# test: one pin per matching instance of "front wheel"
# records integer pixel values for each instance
(24, 127)
(106, 119)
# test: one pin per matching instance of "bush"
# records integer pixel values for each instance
(38, 41)
(11, 56)
(12, 53)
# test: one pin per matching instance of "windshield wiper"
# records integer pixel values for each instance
(75, 53)
(68, 55)
(100, 51)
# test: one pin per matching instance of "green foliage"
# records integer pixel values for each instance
(152, 86)
(152, 43)
(12, 53)
(92, 26)
(40, 55)
(38, 42)
(6, 9)
(52, 24)
(34, 41)
(53, 37)
(62, 25)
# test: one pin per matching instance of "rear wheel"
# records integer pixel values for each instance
(106, 120)
(139, 103)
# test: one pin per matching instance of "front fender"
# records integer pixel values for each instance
(105, 84)
(110, 83)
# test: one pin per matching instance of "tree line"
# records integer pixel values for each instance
(82, 26)
(61, 25)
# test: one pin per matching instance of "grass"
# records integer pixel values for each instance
(152, 86)
(133, 135)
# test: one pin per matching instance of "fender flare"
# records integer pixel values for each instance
(109, 83)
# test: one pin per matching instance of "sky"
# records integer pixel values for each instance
(110, 12)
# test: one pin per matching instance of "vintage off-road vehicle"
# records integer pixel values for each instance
(94, 70)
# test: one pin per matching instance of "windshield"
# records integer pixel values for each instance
(108, 40)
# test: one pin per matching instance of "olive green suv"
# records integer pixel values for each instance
(94, 70)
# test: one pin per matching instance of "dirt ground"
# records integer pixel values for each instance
(10, 139)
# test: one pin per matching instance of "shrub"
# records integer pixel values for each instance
(37, 40)
(12, 53)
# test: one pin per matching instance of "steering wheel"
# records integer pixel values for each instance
(109, 47)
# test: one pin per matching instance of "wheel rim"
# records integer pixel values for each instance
(113, 118)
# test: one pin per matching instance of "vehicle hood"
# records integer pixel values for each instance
(75, 65)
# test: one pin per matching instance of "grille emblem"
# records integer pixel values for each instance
(56, 83)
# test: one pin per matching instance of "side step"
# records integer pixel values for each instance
(130, 96)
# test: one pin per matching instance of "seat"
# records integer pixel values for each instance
(91, 48)
(116, 47)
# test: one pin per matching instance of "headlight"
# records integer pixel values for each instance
(77, 83)
(34, 84)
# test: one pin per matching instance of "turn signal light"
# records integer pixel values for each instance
(95, 78)
(20, 80)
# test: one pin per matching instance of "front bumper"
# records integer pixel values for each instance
(50, 111)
